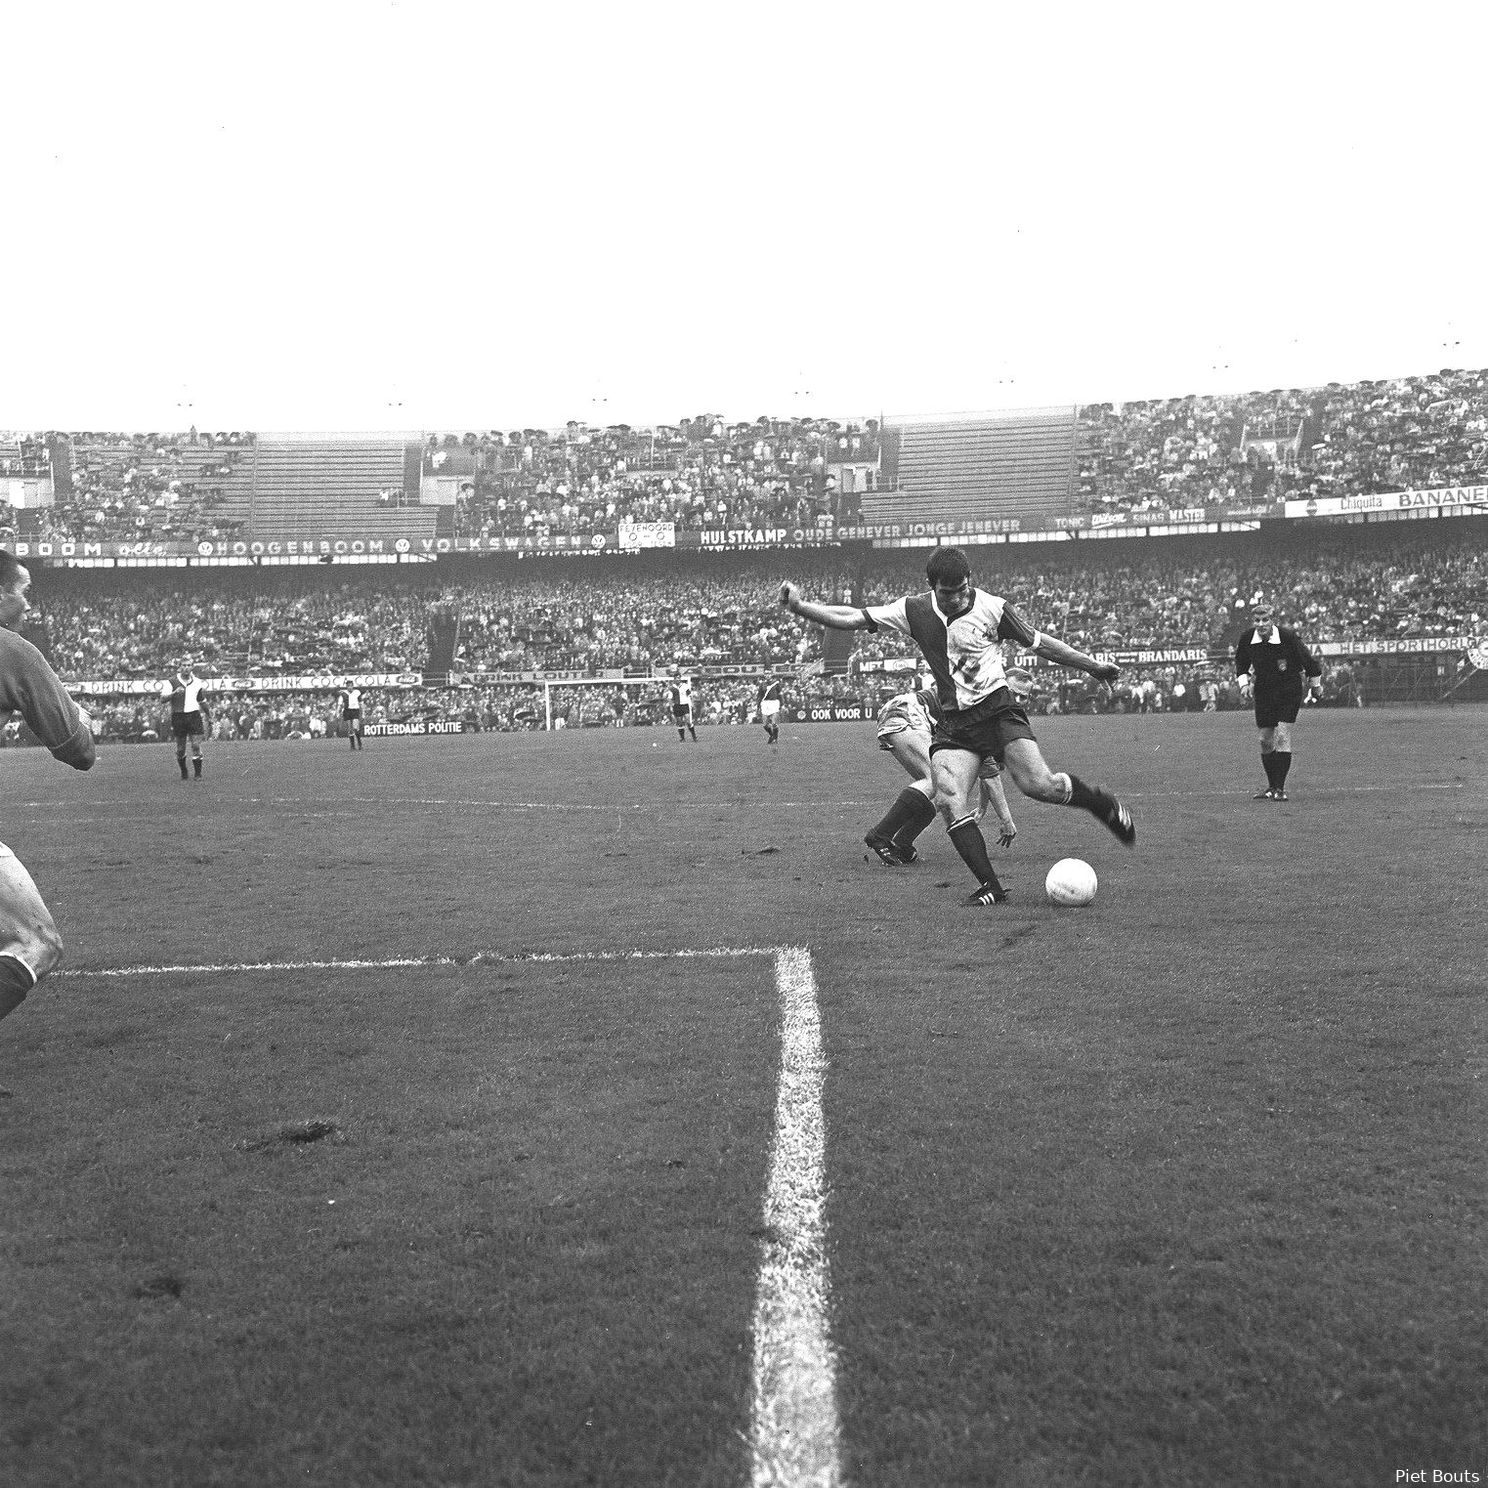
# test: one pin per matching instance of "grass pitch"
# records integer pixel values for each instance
(1183, 1188)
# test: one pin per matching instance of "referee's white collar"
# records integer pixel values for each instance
(1274, 639)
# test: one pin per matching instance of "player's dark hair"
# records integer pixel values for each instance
(9, 564)
(947, 566)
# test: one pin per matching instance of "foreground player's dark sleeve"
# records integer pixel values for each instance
(1013, 627)
(30, 687)
(1242, 655)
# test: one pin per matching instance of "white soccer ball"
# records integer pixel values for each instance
(1071, 882)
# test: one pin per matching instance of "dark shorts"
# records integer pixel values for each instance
(682, 713)
(1269, 711)
(985, 730)
(352, 714)
(186, 726)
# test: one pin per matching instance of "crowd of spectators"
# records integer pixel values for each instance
(698, 616)
(136, 487)
(1196, 451)
(1408, 433)
(642, 614)
(145, 629)
(700, 474)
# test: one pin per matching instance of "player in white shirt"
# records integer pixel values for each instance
(959, 630)
(771, 693)
(351, 712)
(680, 692)
(189, 717)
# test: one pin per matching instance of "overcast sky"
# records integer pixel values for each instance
(439, 216)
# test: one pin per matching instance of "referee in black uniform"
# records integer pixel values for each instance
(1277, 660)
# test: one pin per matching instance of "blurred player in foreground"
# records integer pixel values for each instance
(906, 724)
(959, 630)
(1277, 661)
(29, 943)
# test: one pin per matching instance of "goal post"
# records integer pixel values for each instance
(611, 684)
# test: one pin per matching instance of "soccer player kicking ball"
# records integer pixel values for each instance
(29, 943)
(1277, 661)
(960, 630)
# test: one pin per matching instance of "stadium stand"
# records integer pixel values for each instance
(1398, 582)
(1387, 584)
(699, 474)
(1185, 453)
(992, 465)
(333, 488)
(1351, 439)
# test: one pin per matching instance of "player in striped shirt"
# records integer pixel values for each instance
(771, 691)
(960, 631)
(679, 691)
(189, 717)
(30, 945)
(350, 698)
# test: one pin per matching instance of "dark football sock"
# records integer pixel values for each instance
(15, 982)
(196, 766)
(1283, 763)
(181, 760)
(904, 811)
(924, 814)
(967, 839)
(1081, 795)
(1268, 763)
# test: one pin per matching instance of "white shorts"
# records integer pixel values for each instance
(27, 931)
(770, 708)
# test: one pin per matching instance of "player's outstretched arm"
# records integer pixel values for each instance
(1051, 648)
(79, 751)
(63, 725)
(834, 617)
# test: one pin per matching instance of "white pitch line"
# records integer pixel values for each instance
(218, 968)
(1322, 793)
(390, 963)
(794, 1431)
(793, 1419)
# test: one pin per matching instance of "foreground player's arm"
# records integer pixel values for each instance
(31, 688)
(834, 617)
(1014, 626)
(1051, 648)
